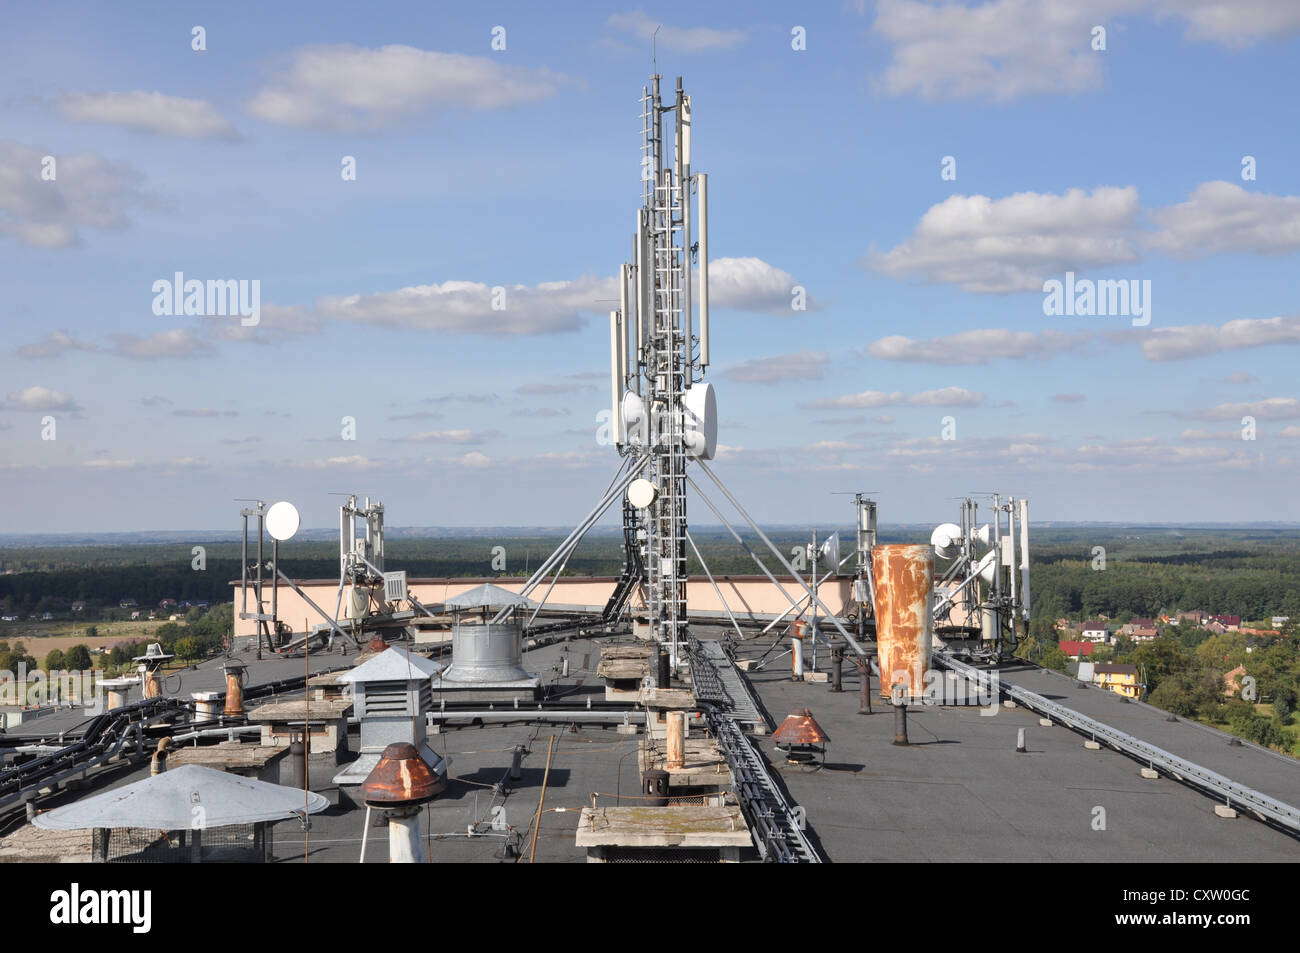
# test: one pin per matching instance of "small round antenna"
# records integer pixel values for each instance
(282, 520)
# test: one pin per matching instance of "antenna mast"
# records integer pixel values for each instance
(655, 363)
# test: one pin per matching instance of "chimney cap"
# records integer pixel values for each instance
(400, 779)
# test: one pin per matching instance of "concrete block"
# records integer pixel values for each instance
(1045, 722)
(1224, 811)
(627, 729)
(1008, 704)
(1092, 745)
(816, 676)
(1149, 773)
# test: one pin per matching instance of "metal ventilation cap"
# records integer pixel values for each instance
(153, 653)
(800, 728)
(400, 779)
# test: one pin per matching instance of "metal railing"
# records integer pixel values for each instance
(1233, 793)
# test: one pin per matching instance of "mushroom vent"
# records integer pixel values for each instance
(800, 729)
(400, 778)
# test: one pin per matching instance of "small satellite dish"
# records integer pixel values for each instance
(642, 493)
(701, 418)
(987, 566)
(282, 520)
(944, 540)
(636, 425)
(982, 534)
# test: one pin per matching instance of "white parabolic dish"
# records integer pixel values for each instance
(701, 411)
(641, 493)
(282, 520)
(944, 539)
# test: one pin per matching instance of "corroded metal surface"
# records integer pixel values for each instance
(904, 583)
(800, 728)
(400, 778)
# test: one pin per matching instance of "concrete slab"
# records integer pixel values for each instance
(683, 826)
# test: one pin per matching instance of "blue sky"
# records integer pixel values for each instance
(519, 168)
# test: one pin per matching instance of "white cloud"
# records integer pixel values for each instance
(1005, 49)
(867, 398)
(276, 323)
(1196, 340)
(39, 398)
(639, 28)
(104, 464)
(349, 87)
(948, 397)
(1068, 398)
(751, 284)
(88, 191)
(1291, 432)
(452, 436)
(1240, 377)
(147, 112)
(204, 412)
(172, 343)
(56, 343)
(1223, 217)
(976, 347)
(798, 366)
(1271, 408)
(1012, 244)
(466, 307)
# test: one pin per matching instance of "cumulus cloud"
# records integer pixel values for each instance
(866, 398)
(1011, 244)
(37, 398)
(452, 436)
(1271, 408)
(88, 191)
(172, 343)
(349, 87)
(639, 28)
(55, 344)
(797, 366)
(466, 307)
(947, 397)
(751, 284)
(204, 412)
(1196, 340)
(976, 347)
(1005, 49)
(1223, 217)
(152, 113)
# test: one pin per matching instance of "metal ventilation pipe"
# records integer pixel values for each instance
(158, 764)
(796, 650)
(235, 672)
(904, 584)
(400, 784)
(676, 737)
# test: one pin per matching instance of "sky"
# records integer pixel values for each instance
(918, 173)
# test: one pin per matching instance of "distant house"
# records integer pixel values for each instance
(1280, 620)
(1120, 679)
(48, 616)
(1095, 632)
(8, 618)
(79, 606)
(1232, 681)
(1218, 628)
(1230, 622)
(126, 602)
(166, 603)
(1196, 616)
(1144, 633)
(1076, 649)
(1265, 633)
(135, 614)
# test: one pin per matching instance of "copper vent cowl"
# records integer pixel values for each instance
(400, 779)
(800, 728)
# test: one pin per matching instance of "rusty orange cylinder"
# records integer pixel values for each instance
(234, 695)
(904, 581)
(676, 757)
(152, 686)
